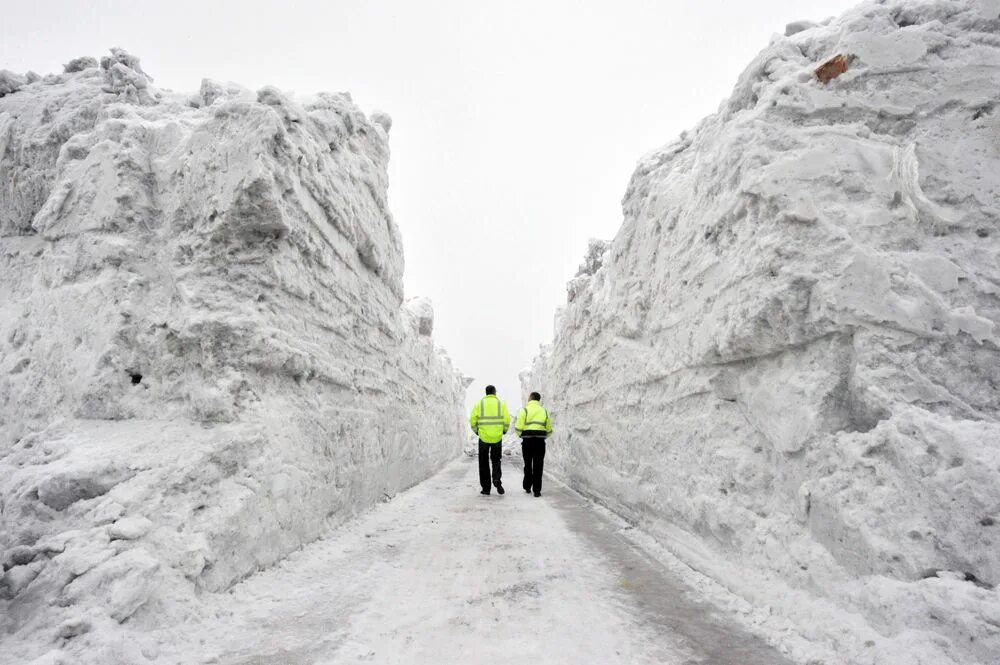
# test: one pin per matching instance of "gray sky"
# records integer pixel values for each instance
(516, 124)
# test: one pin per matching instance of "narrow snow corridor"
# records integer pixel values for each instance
(444, 575)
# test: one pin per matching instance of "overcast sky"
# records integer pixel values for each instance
(516, 124)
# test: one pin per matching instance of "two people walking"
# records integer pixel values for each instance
(490, 420)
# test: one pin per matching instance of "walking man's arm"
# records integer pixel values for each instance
(474, 419)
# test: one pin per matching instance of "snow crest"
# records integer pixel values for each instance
(786, 364)
(205, 357)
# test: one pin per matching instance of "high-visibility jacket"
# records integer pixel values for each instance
(533, 418)
(490, 419)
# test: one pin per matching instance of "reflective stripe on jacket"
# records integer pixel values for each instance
(533, 418)
(490, 419)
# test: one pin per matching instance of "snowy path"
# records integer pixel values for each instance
(444, 575)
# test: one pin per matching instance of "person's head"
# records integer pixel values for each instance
(491, 390)
(534, 397)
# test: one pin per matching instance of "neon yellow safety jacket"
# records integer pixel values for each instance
(533, 418)
(490, 419)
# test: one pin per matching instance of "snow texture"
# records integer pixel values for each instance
(411, 582)
(79, 64)
(205, 358)
(11, 82)
(785, 366)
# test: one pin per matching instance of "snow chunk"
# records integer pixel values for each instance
(16, 579)
(108, 512)
(210, 91)
(796, 27)
(597, 251)
(122, 57)
(18, 555)
(422, 312)
(10, 82)
(62, 489)
(271, 96)
(82, 63)
(73, 628)
(122, 584)
(130, 528)
(382, 119)
(124, 76)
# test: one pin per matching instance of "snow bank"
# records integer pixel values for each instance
(786, 363)
(204, 353)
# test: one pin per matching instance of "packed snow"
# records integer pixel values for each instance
(785, 365)
(205, 357)
(442, 574)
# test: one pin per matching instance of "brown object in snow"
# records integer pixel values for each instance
(832, 68)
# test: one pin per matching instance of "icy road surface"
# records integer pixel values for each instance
(442, 574)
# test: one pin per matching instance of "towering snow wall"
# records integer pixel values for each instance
(785, 365)
(204, 352)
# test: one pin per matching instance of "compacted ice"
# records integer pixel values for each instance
(785, 365)
(205, 357)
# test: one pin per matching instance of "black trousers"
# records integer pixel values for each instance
(533, 450)
(489, 452)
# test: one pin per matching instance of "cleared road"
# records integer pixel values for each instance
(442, 574)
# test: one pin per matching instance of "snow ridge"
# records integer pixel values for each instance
(785, 365)
(205, 358)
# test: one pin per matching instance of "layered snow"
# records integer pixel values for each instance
(205, 357)
(785, 365)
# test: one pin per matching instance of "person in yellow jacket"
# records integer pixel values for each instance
(490, 419)
(533, 425)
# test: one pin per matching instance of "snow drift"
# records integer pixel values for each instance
(204, 353)
(786, 363)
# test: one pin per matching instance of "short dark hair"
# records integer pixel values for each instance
(491, 390)
(535, 396)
